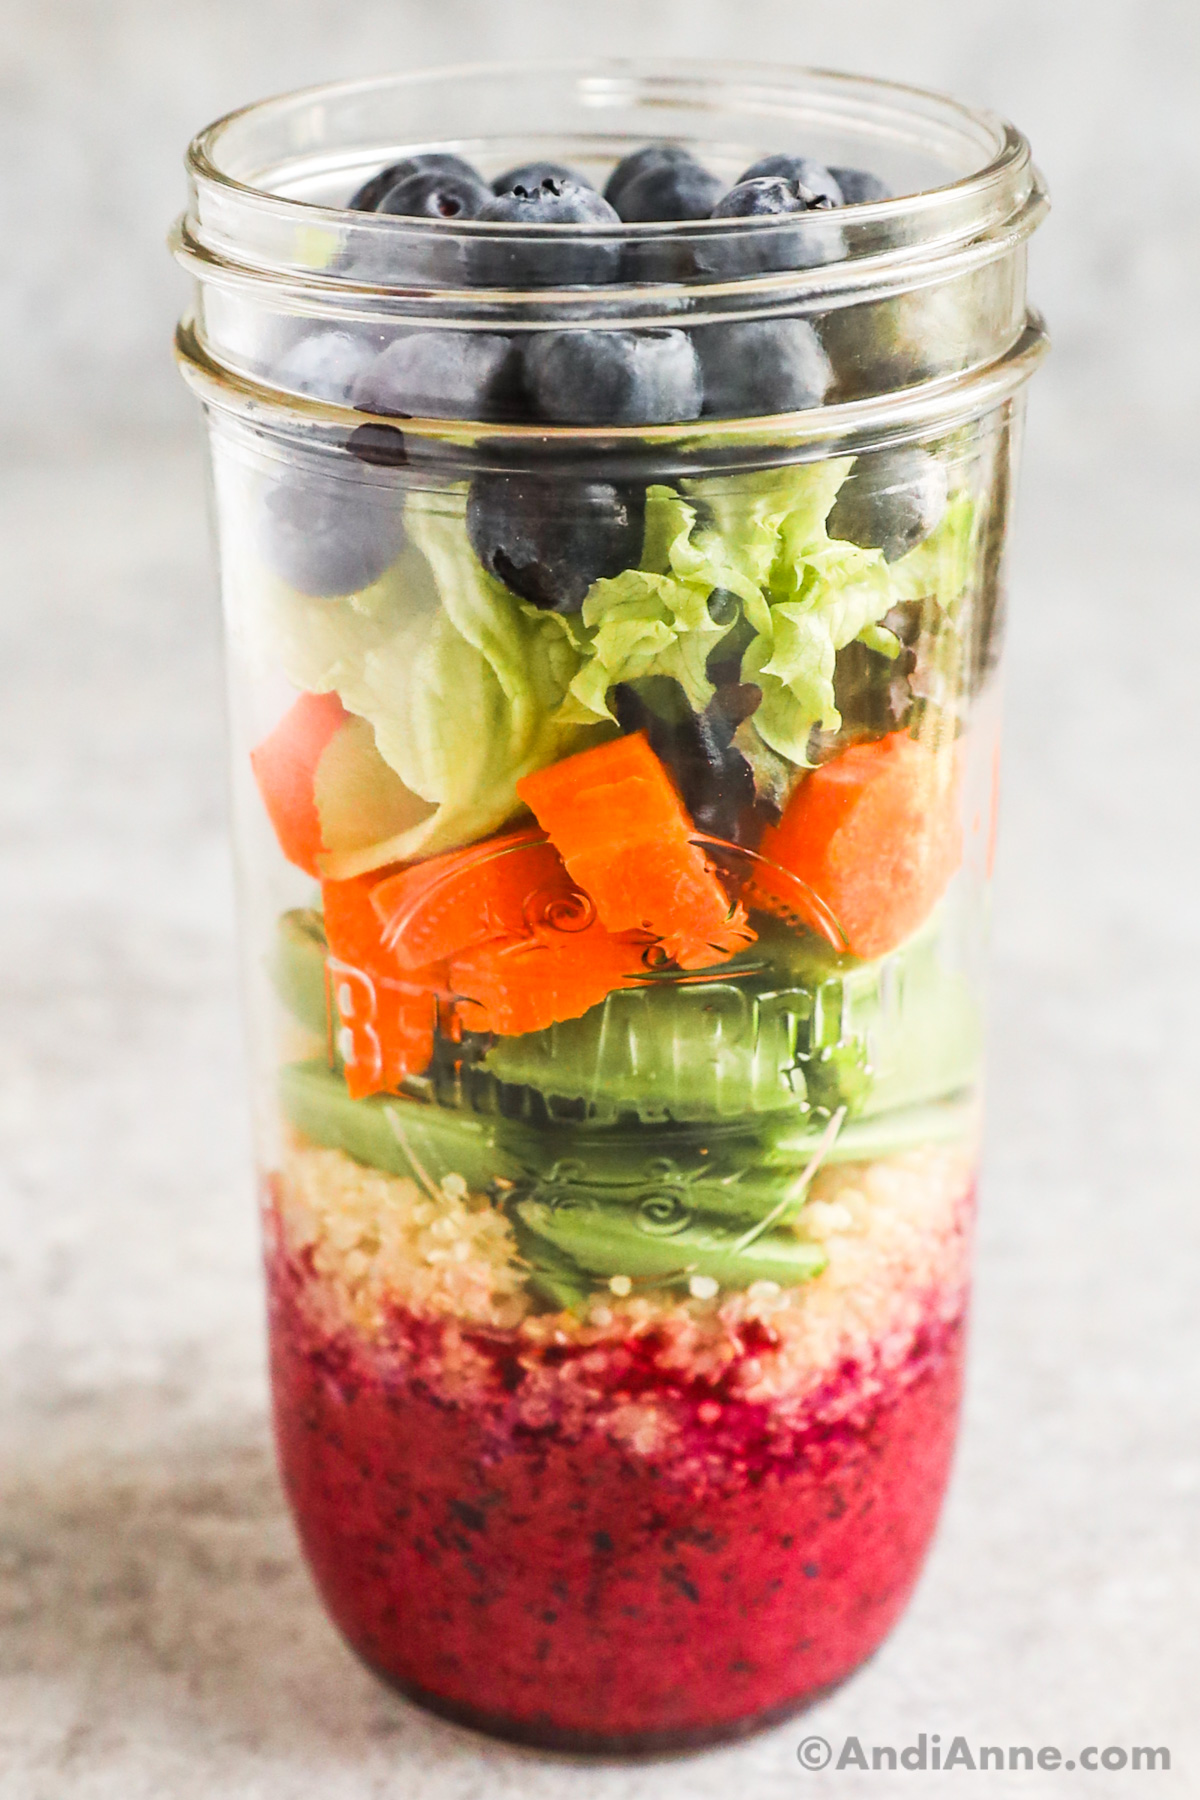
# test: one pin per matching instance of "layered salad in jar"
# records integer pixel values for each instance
(626, 1037)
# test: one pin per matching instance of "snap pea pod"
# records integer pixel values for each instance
(554, 1279)
(883, 1134)
(721, 1186)
(607, 1241)
(401, 1137)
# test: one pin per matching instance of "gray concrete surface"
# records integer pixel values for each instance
(158, 1636)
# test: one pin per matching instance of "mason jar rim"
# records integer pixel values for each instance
(237, 228)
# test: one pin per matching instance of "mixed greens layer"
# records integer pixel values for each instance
(468, 688)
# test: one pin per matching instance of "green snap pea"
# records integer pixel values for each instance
(606, 1241)
(401, 1137)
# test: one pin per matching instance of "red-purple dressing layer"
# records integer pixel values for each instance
(548, 1581)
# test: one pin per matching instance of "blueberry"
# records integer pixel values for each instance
(714, 779)
(665, 192)
(368, 196)
(765, 195)
(438, 374)
(812, 175)
(912, 336)
(532, 174)
(435, 194)
(330, 537)
(613, 377)
(761, 366)
(548, 540)
(573, 262)
(324, 365)
(650, 156)
(858, 186)
(890, 501)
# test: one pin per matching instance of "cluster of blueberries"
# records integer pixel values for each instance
(659, 184)
(591, 377)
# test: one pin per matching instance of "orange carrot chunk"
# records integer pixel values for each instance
(285, 766)
(502, 888)
(514, 985)
(385, 1016)
(876, 834)
(625, 836)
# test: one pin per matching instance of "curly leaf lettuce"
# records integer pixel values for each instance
(653, 620)
(804, 594)
(840, 590)
(767, 518)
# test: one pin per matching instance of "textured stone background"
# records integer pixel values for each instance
(158, 1636)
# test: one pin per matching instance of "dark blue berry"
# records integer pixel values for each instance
(633, 165)
(440, 374)
(613, 377)
(436, 194)
(757, 366)
(714, 779)
(810, 174)
(767, 195)
(812, 242)
(859, 186)
(328, 537)
(535, 262)
(666, 192)
(324, 365)
(550, 540)
(532, 174)
(368, 196)
(890, 501)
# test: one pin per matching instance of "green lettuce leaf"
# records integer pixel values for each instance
(746, 533)
(840, 591)
(804, 594)
(652, 620)
(462, 682)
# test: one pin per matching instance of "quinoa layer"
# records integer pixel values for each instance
(377, 1250)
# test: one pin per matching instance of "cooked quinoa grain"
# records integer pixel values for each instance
(895, 1232)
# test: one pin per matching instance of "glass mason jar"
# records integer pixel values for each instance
(614, 615)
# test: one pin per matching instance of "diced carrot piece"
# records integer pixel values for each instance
(625, 836)
(285, 766)
(386, 1015)
(514, 985)
(502, 888)
(876, 834)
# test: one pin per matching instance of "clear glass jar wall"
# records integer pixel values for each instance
(614, 617)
